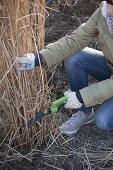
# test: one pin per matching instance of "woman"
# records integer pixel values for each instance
(81, 60)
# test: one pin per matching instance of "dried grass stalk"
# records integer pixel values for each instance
(22, 31)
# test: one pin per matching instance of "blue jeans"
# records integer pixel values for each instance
(93, 62)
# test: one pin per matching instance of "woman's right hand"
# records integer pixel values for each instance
(28, 61)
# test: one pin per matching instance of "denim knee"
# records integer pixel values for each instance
(68, 64)
(73, 61)
(102, 122)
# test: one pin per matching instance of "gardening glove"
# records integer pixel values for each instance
(72, 101)
(28, 61)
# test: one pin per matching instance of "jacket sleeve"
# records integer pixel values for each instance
(97, 93)
(70, 44)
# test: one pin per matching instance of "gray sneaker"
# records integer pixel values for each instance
(75, 122)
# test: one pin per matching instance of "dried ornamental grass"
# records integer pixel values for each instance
(22, 31)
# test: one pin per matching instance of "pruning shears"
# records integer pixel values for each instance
(53, 108)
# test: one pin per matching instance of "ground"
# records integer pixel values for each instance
(91, 148)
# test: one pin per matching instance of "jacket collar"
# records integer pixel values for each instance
(103, 8)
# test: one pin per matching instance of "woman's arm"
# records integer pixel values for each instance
(97, 93)
(70, 44)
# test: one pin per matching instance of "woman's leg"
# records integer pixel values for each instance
(104, 115)
(87, 61)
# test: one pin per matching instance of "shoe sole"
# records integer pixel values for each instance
(89, 121)
(69, 133)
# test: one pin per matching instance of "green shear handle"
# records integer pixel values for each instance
(57, 103)
(53, 108)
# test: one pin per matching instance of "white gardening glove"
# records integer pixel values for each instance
(26, 62)
(72, 101)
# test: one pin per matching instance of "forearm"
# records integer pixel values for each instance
(70, 44)
(97, 93)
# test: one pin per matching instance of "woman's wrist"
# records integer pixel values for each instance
(39, 59)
